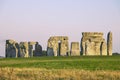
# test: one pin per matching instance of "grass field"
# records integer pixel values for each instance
(61, 68)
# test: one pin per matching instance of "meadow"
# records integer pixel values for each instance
(61, 68)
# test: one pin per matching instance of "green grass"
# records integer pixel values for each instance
(77, 62)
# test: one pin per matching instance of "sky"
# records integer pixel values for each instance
(37, 20)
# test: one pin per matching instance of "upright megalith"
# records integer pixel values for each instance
(109, 43)
(92, 43)
(31, 48)
(38, 50)
(24, 49)
(58, 46)
(103, 48)
(11, 48)
(75, 49)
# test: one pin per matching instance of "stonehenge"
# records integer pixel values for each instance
(23, 49)
(91, 44)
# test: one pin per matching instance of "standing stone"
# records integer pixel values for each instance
(82, 46)
(97, 48)
(103, 48)
(58, 46)
(11, 48)
(31, 47)
(31, 50)
(75, 49)
(109, 43)
(38, 50)
(24, 49)
(64, 48)
(90, 48)
(51, 47)
(50, 52)
(17, 49)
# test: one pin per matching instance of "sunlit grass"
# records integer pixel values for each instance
(56, 74)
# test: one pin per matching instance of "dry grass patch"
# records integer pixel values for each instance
(56, 74)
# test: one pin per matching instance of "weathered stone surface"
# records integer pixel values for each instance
(11, 48)
(90, 48)
(104, 48)
(24, 49)
(75, 49)
(50, 52)
(38, 50)
(58, 46)
(91, 43)
(109, 43)
(31, 46)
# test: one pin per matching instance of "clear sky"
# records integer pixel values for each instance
(37, 20)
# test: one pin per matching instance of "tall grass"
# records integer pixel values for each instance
(56, 74)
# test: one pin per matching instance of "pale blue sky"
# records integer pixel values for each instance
(37, 20)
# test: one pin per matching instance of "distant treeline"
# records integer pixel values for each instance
(116, 53)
